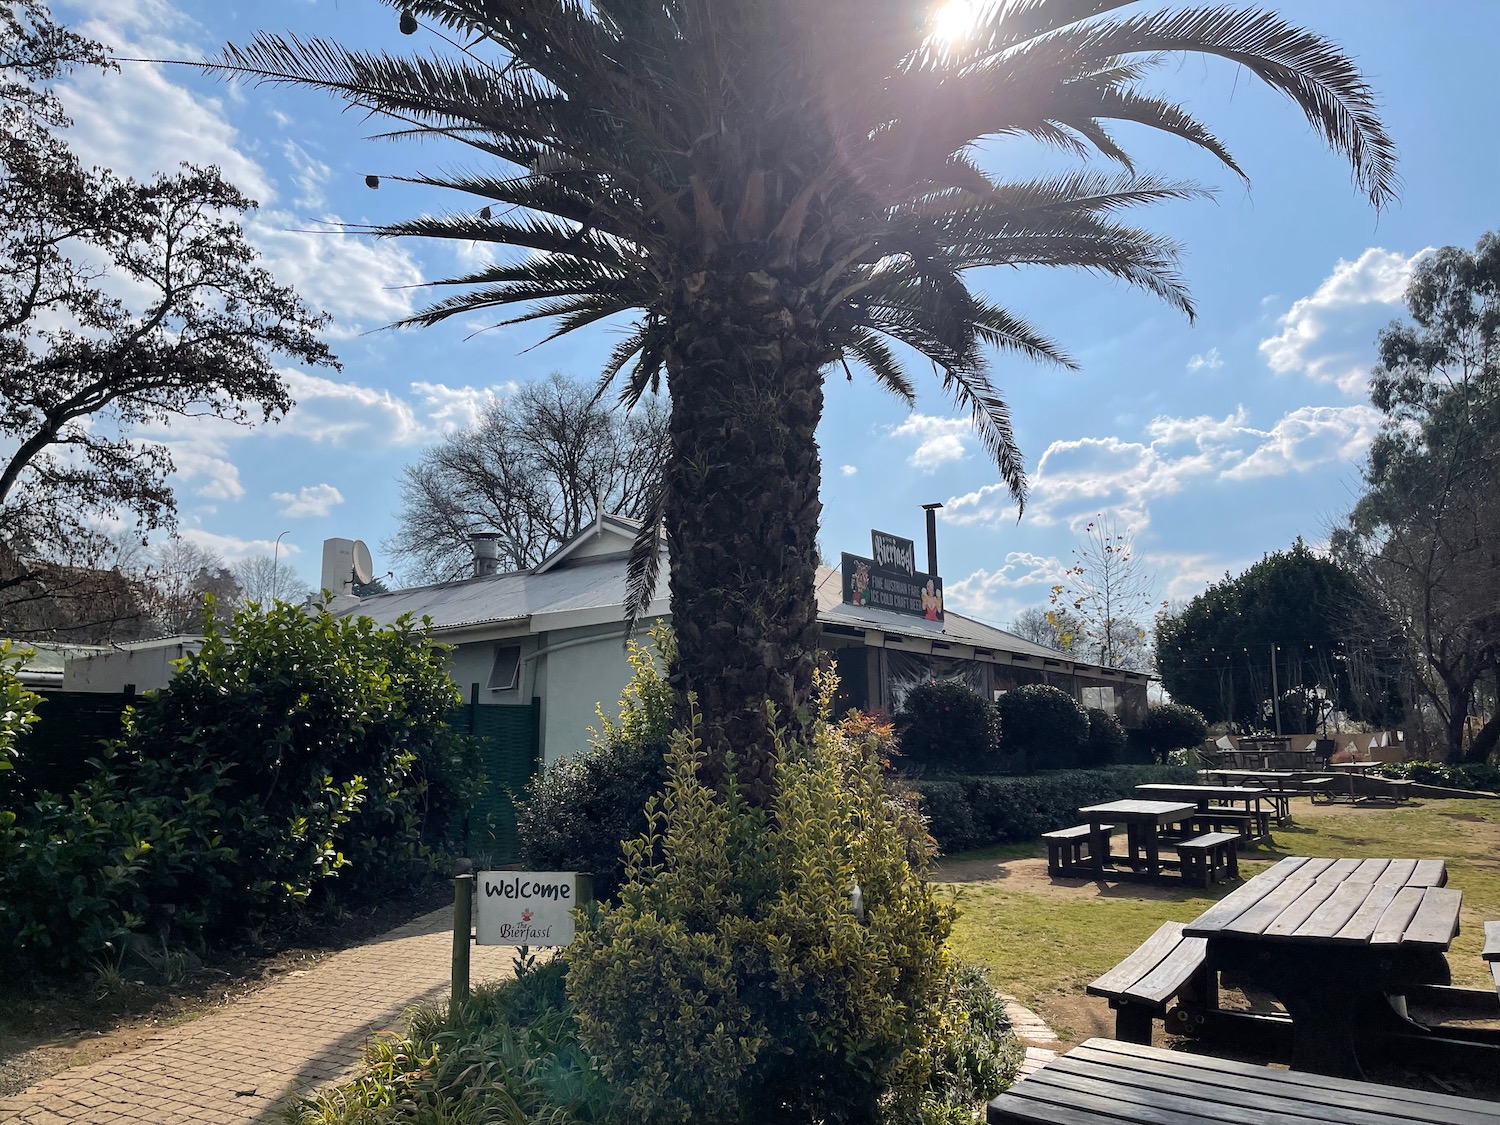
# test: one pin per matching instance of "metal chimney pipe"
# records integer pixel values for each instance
(931, 510)
(486, 548)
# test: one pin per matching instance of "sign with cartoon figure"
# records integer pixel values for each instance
(528, 907)
(891, 585)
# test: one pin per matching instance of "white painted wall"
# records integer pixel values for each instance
(573, 682)
(147, 668)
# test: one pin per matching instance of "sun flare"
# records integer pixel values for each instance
(953, 20)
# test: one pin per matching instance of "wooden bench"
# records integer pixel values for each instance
(1165, 967)
(1398, 789)
(1281, 794)
(1210, 858)
(1247, 826)
(1130, 1084)
(1068, 849)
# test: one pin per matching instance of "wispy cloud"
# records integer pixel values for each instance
(1078, 477)
(310, 500)
(848, 470)
(1206, 361)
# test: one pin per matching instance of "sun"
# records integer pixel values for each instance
(954, 19)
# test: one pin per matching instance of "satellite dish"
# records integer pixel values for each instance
(364, 566)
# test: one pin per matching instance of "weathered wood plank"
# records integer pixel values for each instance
(1399, 872)
(1361, 927)
(1392, 925)
(1369, 871)
(1399, 1103)
(1147, 956)
(1429, 873)
(1294, 913)
(1267, 910)
(1236, 902)
(1436, 919)
(1168, 979)
(1107, 1081)
(1328, 919)
(1491, 950)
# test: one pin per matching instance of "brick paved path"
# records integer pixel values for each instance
(237, 1065)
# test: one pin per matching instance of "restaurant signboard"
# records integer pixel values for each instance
(890, 580)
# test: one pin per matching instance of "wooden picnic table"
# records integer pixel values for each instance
(1210, 797)
(1143, 822)
(1127, 1084)
(1335, 941)
(1280, 785)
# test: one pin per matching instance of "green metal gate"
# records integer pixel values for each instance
(509, 751)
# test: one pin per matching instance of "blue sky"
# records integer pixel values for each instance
(1216, 442)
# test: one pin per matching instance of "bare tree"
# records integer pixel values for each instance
(179, 577)
(1054, 628)
(1100, 606)
(533, 468)
(264, 580)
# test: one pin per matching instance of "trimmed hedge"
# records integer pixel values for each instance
(976, 811)
(1475, 775)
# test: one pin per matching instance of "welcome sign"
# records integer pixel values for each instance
(528, 907)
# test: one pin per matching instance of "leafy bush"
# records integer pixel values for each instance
(511, 1054)
(1043, 724)
(1173, 726)
(975, 812)
(1476, 775)
(975, 1063)
(293, 754)
(577, 812)
(17, 704)
(767, 966)
(947, 724)
(1106, 742)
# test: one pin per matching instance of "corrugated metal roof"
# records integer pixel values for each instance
(593, 583)
(599, 583)
(953, 629)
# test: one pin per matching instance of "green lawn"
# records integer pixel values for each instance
(1038, 937)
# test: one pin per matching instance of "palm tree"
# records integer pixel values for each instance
(780, 189)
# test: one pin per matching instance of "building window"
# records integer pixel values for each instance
(1103, 698)
(506, 674)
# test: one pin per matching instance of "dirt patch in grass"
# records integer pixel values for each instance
(48, 1028)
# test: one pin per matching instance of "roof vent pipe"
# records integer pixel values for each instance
(931, 510)
(486, 547)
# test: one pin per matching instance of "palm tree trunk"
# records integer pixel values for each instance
(744, 376)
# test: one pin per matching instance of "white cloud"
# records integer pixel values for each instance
(1209, 360)
(1078, 478)
(309, 173)
(363, 283)
(311, 500)
(457, 408)
(939, 440)
(342, 413)
(1311, 436)
(848, 470)
(1329, 336)
(998, 594)
(138, 123)
(233, 548)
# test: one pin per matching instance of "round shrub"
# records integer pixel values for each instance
(577, 811)
(1106, 742)
(1048, 727)
(1173, 726)
(768, 968)
(949, 725)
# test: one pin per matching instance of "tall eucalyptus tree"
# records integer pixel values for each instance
(778, 189)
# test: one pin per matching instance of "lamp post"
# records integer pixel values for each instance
(275, 566)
